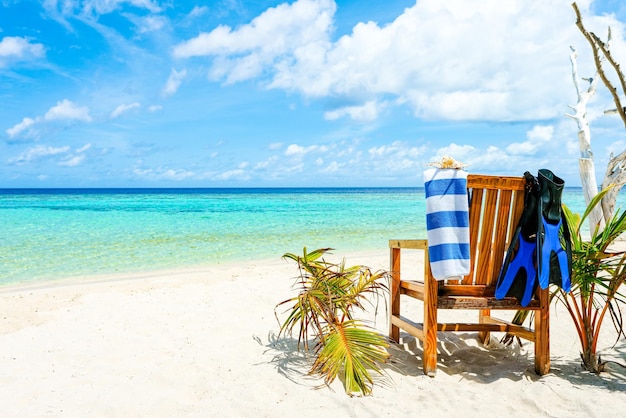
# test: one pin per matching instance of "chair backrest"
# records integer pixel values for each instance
(495, 206)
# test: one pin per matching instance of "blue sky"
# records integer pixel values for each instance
(236, 93)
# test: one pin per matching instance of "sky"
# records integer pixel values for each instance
(304, 93)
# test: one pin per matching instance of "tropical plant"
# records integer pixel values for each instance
(597, 275)
(323, 309)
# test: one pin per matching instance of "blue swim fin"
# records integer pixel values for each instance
(554, 254)
(518, 276)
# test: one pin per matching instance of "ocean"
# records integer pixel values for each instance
(50, 234)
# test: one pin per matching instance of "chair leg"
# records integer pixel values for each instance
(484, 336)
(542, 334)
(394, 293)
(430, 325)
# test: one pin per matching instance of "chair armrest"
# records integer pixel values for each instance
(414, 244)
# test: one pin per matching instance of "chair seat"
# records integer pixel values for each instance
(465, 296)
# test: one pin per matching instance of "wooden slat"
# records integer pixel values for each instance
(498, 244)
(483, 181)
(517, 330)
(484, 255)
(467, 290)
(413, 285)
(470, 302)
(413, 244)
(494, 325)
(408, 327)
(464, 327)
(474, 229)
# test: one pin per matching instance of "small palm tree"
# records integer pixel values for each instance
(597, 275)
(323, 310)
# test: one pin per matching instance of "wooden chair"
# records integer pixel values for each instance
(495, 206)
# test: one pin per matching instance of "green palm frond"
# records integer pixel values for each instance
(351, 350)
(323, 310)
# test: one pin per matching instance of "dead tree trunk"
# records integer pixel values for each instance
(585, 162)
(615, 175)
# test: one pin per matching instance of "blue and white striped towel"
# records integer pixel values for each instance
(447, 222)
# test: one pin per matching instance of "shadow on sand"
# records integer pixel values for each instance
(459, 354)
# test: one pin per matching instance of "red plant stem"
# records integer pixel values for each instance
(584, 305)
(575, 314)
(601, 318)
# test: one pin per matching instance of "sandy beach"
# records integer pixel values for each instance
(203, 342)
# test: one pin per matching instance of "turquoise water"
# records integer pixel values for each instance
(52, 234)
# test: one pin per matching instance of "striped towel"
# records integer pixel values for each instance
(447, 222)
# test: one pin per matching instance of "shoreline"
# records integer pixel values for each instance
(203, 342)
(352, 257)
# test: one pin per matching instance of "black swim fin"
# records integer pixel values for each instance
(554, 246)
(518, 276)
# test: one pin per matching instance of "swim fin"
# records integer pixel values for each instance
(518, 276)
(554, 246)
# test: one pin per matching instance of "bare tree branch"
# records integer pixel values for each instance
(616, 169)
(598, 46)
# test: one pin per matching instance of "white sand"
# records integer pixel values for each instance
(203, 343)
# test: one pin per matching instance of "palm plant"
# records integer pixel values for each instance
(323, 309)
(597, 275)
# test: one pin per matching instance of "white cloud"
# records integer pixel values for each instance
(163, 173)
(537, 136)
(513, 66)
(461, 153)
(198, 11)
(299, 150)
(23, 125)
(68, 158)
(15, 48)
(155, 108)
(147, 24)
(331, 168)
(83, 148)
(271, 162)
(173, 82)
(73, 161)
(38, 152)
(269, 40)
(124, 108)
(63, 110)
(99, 7)
(396, 157)
(364, 113)
(397, 148)
(239, 174)
(66, 110)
